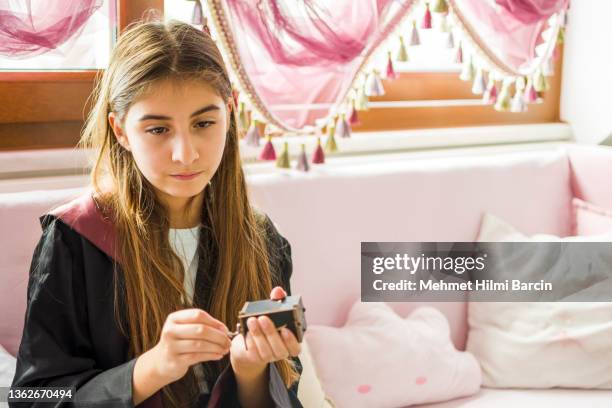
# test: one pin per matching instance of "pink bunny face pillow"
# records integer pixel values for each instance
(379, 359)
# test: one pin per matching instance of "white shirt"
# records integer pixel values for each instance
(184, 242)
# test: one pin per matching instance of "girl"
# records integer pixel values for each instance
(135, 285)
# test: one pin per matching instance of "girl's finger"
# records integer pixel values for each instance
(197, 316)
(197, 346)
(189, 330)
(279, 350)
(262, 346)
(290, 342)
(250, 344)
(278, 293)
(200, 332)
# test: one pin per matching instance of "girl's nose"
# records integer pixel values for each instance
(184, 150)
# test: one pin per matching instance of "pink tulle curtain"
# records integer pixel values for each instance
(309, 36)
(308, 52)
(29, 28)
(531, 11)
(305, 52)
(508, 31)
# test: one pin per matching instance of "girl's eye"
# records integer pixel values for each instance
(204, 124)
(157, 130)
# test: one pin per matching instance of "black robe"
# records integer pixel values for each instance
(70, 336)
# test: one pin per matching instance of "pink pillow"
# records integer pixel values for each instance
(590, 219)
(381, 359)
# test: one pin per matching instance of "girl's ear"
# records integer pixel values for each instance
(115, 124)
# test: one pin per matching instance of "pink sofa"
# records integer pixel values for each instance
(326, 213)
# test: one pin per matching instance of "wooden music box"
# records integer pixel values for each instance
(288, 312)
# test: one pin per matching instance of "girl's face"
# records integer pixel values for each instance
(176, 134)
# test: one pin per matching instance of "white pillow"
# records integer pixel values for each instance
(541, 261)
(540, 344)
(7, 367)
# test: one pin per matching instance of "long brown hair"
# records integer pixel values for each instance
(145, 53)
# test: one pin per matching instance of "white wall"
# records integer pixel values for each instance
(586, 94)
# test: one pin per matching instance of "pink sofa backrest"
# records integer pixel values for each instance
(21, 231)
(326, 214)
(591, 171)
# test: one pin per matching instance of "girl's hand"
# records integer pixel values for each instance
(188, 337)
(265, 344)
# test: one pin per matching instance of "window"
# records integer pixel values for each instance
(428, 92)
(46, 108)
(57, 35)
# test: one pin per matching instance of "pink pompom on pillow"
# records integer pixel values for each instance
(379, 359)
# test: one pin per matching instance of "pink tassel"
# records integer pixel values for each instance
(354, 118)
(493, 95)
(459, 57)
(415, 39)
(426, 23)
(490, 95)
(302, 162)
(235, 95)
(197, 17)
(390, 74)
(343, 129)
(531, 96)
(268, 153)
(252, 136)
(318, 157)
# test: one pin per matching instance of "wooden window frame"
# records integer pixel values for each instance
(45, 110)
(426, 86)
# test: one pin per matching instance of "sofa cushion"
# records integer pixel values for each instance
(516, 342)
(19, 214)
(7, 367)
(590, 219)
(513, 398)
(378, 359)
(589, 166)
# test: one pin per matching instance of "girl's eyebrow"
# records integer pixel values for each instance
(208, 108)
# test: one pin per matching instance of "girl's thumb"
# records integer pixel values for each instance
(278, 293)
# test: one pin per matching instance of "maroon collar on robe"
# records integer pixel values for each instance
(83, 216)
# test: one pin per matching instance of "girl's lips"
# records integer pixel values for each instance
(186, 176)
